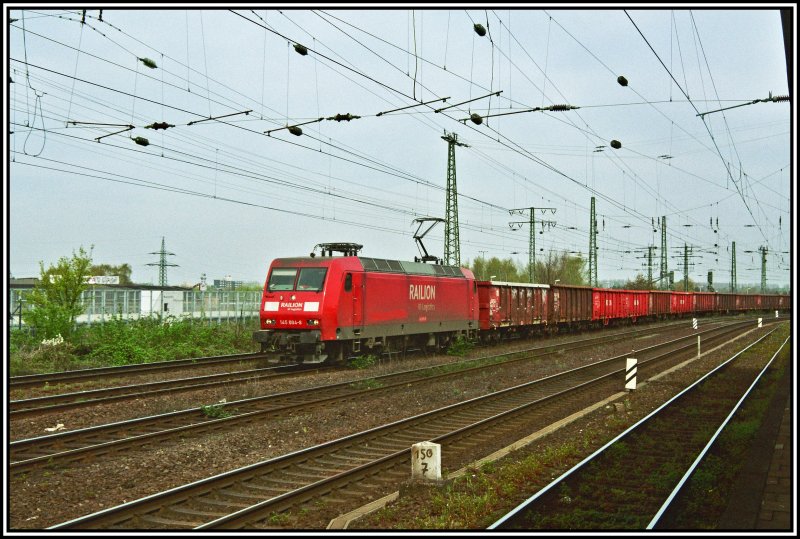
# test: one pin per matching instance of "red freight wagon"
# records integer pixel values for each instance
(726, 302)
(745, 302)
(681, 302)
(511, 305)
(315, 308)
(705, 302)
(608, 304)
(775, 302)
(569, 305)
(659, 303)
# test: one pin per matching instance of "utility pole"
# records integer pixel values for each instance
(592, 246)
(664, 270)
(685, 268)
(452, 246)
(516, 225)
(733, 267)
(763, 269)
(650, 264)
(162, 264)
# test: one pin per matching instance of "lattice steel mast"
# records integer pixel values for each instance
(452, 245)
(162, 263)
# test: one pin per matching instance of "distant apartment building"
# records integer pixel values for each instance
(227, 283)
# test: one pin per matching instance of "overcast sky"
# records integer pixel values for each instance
(229, 188)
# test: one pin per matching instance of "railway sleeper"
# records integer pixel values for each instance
(205, 515)
(355, 461)
(300, 474)
(166, 522)
(366, 454)
(262, 486)
(278, 480)
(389, 446)
(237, 494)
(216, 503)
(326, 470)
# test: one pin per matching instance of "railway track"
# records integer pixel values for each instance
(84, 375)
(629, 483)
(104, 440)
(66, 401)
(92, 397)
(357, 467)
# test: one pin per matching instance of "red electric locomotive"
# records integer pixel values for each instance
(316, 308)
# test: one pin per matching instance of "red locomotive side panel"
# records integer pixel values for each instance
(396, 304)
(680, 302)
(511, 304)
(569, 304)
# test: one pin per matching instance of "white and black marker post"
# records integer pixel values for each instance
(694, 323)
(759, 322)
(426, 461)
(630, 373)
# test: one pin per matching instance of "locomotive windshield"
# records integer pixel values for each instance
(310, 279)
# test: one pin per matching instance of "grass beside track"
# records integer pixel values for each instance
(119, 342)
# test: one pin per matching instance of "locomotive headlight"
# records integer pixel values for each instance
(313, 322)
(269, 321)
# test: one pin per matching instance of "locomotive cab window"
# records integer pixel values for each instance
(348, 282)
(282, 279)
(311, 279)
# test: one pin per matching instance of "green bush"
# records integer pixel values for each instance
(460, 347)
(362, 362)
(215, 411)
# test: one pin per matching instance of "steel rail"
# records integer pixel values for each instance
(271, 479)
(30, 380)
(519, 510)
(82, 443)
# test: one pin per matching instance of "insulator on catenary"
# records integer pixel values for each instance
(149, 63)
(622, 81)
(158, 125)
(476, 118)
(346, 117)
(294, 130)
(479, 29)
(560, 107)
(778, 98)
(300, 49)
(141, 141)
(616, 144)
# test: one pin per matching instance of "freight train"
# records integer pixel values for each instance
(326, 309)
